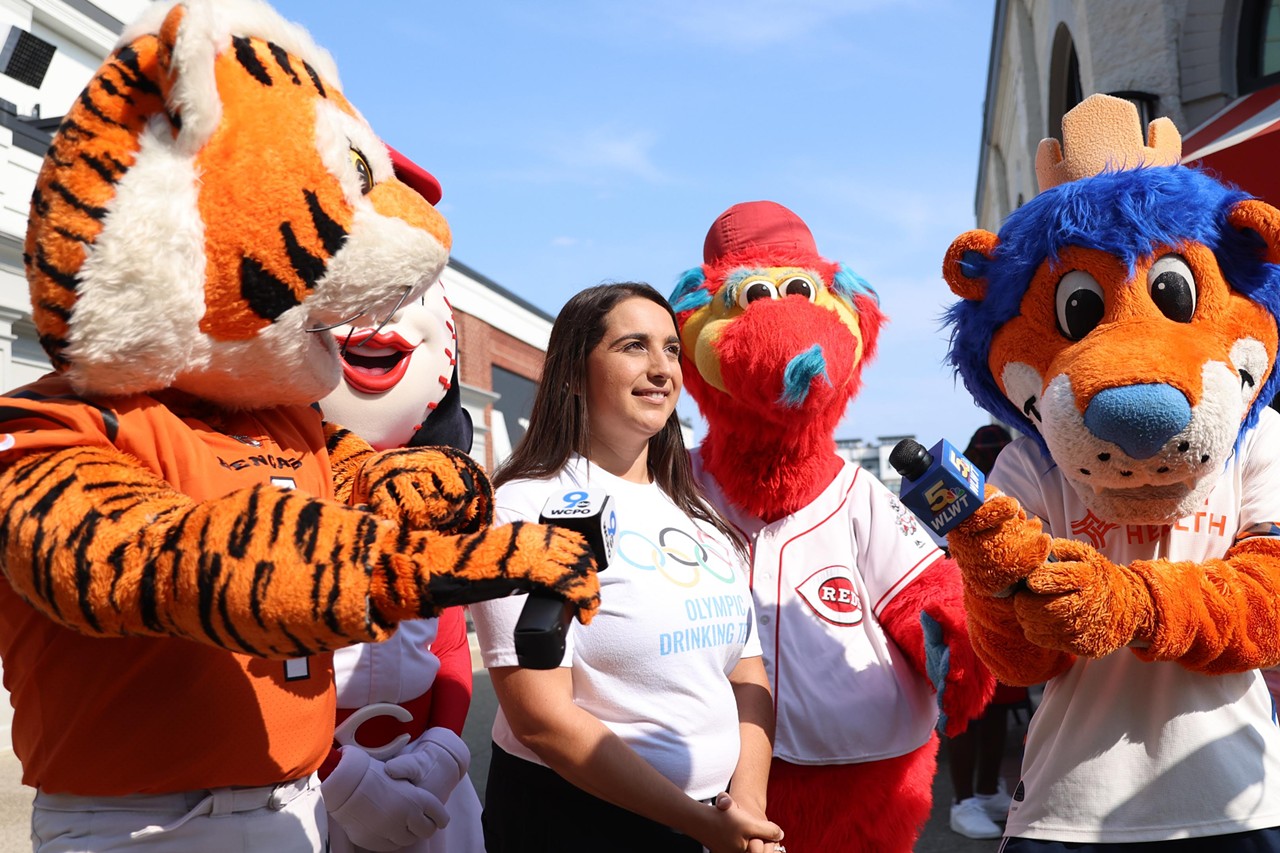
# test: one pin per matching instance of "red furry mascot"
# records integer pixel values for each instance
(860, 615)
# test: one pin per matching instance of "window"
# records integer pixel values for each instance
(515, 401)
(1148, 105)
(25, 57)
(1065, 90)
(1258, 45)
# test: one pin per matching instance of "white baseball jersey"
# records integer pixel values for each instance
(396, 671)
(675, 618)
(843, 691)
(1126, 751)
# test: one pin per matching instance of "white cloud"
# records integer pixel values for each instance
(610, 150)
(605, 157)
(751, 23)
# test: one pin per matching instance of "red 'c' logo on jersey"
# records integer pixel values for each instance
(831, 594)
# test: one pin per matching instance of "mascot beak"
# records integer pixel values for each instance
(788, 355)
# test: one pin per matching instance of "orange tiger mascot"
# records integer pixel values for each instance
(1125, 319)
(183, 539)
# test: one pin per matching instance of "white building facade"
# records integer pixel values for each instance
(51, 47)
(1189, 60)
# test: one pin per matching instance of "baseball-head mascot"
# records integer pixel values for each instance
(1125, 320)
(402, 702)
(860, 615)
(184, 540)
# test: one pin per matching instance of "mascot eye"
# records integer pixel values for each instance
(753, 290)
(1080, 304)
(1173, 288)
(799, 286)
(362, 169)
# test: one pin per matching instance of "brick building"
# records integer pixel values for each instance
(501, 342)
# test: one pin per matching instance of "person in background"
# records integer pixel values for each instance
(975, 755)
(655, 732)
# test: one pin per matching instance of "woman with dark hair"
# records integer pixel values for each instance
(655, 732)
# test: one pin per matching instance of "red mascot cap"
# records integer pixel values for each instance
(757, 226)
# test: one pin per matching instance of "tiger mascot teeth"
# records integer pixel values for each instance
(1125, 319)
(178, 558)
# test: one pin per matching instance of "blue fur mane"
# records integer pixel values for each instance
(1127, 214)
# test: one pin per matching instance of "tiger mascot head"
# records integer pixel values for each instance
(210, 206)
(1125, 318)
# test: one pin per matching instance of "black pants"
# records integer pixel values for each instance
(1257, 841)
(529, 808)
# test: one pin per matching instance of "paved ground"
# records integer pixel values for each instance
(15, 800)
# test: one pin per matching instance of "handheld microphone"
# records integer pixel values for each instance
(940, 486)
(540, 631)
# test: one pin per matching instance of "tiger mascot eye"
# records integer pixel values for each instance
(1125, 319)
(184, 540)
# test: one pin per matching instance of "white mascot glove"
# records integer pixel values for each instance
(378, 811)
(436, 763)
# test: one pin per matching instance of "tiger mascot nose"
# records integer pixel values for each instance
(1140, 419)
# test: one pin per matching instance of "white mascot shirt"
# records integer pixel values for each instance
(1126, 751)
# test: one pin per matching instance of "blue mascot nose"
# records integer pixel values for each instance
(1139, 418)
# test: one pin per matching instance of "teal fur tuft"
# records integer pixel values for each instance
(690, 295)
(799, 373)
(847, 284)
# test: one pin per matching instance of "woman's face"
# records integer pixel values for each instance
(633, 374)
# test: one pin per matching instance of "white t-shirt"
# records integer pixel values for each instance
(675, 618)
(1125, 751)
(821, 577)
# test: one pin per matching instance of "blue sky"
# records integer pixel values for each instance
(580, 142)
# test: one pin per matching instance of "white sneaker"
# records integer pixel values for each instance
(996, 805)
(970, 819)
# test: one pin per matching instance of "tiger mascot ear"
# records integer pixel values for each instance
(209, 202)
(1257, 216)
(966, 262)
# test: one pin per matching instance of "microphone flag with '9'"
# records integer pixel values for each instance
(940, 486)
(540, 631)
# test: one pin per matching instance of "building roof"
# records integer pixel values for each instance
(499, 289)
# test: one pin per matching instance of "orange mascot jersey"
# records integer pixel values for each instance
(115, 716)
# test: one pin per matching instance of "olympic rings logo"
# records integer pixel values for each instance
(678, 556)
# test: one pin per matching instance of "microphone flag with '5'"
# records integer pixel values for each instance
(940, 486)
(540, 631)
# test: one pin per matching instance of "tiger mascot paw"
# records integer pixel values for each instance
(997, 546)
(427, 488)
(424, 488)
(434, 571)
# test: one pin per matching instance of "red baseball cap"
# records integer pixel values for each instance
(416, 177)
(755, 226)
